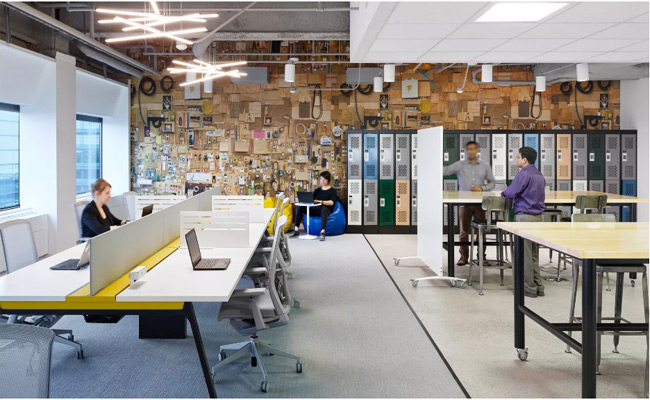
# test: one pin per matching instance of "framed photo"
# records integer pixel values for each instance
(604, 125)
(604, 101)
(268, 121)
(169, 127)
(383, 101)
(167, 103)
(486, 120)
(385, 126)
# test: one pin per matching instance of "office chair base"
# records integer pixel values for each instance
(69, 341)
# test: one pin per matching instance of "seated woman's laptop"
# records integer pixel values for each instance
(73, 263)
(199, 263)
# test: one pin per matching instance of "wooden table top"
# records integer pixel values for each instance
(588, 240)
(552, 197)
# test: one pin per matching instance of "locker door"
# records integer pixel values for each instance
(402, 156)
(580, 156)
(613, 187)
(370, 156)
(532, 140)
(550, 184)
(515, 142)
(464, 139)
(563, 158)
(354, 201)
(355, 161)
(402, 203)
(414, 150)
(386, 202)
(370, 190)
(386, 156)
(547, 156)
(580, 186)
(628, 188)
(597, 186)
(628, 157)
(612, 157)
(450, 185)
(596, 156)
(483, 140)
(414, 202)
(499, 157)
(563, 185)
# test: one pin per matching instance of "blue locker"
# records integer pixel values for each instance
(370, 151)
(628, 189)
(532, 140)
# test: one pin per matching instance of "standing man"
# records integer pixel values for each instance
(527, 189)
(476, 176)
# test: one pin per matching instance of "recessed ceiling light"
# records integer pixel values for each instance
(519, 12)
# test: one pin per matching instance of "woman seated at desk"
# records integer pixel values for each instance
(96, 218)
(325, 195)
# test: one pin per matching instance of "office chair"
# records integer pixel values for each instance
(284, 243)
(18, 251)
(26, 356)
(78, 210)
(250, 311)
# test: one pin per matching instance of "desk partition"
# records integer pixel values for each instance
(252, 204)
(216, 228)
(159, 203)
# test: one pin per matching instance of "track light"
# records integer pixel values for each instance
(290, 70)
(389, 72)
(582, 72)
(378, 86)
(486, 73)
(540, 83)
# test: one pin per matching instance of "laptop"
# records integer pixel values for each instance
(74, 263)
(147, 210)
(199, 263)
(306, 197)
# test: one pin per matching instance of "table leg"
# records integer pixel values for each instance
(191, 316)
(518, 275)
(589, 333)
(450, 240)
(308, 235)
(633, 212)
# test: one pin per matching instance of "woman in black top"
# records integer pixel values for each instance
(325, 195)
(96, 217)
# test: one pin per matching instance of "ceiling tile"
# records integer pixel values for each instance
(403, 45)
(450, 56)
(433, 12)
(639, 47)
(599, 45)
(481, 45)
(507, 57)
(616, 11)
(490, 30)
(568, 57)
(564, 31)
(416, 31)
(539, 45)
(392, 56)
(616, 57)
(623, 31)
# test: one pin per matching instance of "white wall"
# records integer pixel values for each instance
(635, 115)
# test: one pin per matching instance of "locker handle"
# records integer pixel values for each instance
(575, 155)
(382, 202)
(608, 156)
(624, 156)
(366, 202)
(414, 202)
(446, 156)
(559, 155)
(398, 201)
(592, 157)
(510, 154)
(398, 156)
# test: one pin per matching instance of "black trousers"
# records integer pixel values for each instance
(321, 211)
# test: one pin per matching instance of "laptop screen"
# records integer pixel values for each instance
(193, 247)
(147, 210)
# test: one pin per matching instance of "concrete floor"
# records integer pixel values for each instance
(475, 333)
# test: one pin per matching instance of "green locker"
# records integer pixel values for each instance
(596, 143)
(387, 202)
(451, 151)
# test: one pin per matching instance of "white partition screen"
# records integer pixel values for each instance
(253, 204)
(216, 228)
(159, 203)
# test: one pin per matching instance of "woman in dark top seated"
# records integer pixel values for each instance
(96, 217)
(325, 195)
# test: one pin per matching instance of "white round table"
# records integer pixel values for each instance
(309, 206)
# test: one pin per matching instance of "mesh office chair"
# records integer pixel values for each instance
(19, 250)
(78, 210)
(25, 359)
(250, 311)
(284, 243)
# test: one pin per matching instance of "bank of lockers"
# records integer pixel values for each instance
(370, 150)
(596, 156)
(464, 139)
(355, 160)
(628, 157)
(515, 142)
(499, 157)
(402, 156)
(414, 202)
(612, 157)
(355, 200)
(546, 156)
(532, 140)
(402, 202)
(370, 191)
(579, 156)
(386, 202)
(580, 186)
(386, 155)
(597, 186)
(414, 151)
(483, 140)
(563, 159)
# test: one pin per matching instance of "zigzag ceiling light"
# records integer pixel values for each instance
(206, 70)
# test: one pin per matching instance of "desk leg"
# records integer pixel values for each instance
(518, 275)
(450, 241)
(589, 333)
(633, 212)
(191, 316)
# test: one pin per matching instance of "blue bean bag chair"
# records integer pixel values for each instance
(335, 222)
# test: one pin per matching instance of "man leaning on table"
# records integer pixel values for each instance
(527, 190)
(476, 176)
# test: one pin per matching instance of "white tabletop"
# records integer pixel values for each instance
(37, 282)
(308, 204)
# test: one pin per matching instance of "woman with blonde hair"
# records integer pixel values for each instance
(96, 218)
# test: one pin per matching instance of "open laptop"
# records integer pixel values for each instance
(147, 210)
(199, 263)
(74, 263)
(306, 197)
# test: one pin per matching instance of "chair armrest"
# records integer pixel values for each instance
(255, 271)
(263, 250)
(252, 292)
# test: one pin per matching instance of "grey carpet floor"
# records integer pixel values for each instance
(356, 336)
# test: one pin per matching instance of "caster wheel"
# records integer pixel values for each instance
(80, 355)
(299, 367)
(632, 283)
(222, 356)
(463, 285)
(296, 304)
(253, 362)
(396, 262)
(522, 354)
(452, 283)
(263, 387)
(414, 283)
(480, 294)
(214, 376)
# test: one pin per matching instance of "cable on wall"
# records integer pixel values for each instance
(147, 81)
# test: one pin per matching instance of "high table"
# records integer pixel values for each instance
(587, 242)
(454, 199)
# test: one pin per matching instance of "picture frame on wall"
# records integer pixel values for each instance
(268, 121)
(385, 126)
(169, 127)
(487, 120)
(383, 101)
(604, 125)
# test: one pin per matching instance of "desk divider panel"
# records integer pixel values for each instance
(205, 198)
(159, 203)
(172, 217)
(216, 228)
(251, 204)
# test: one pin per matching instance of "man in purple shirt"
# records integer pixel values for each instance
(527, 190)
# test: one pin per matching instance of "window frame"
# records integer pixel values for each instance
(88, 118)
(13, 108)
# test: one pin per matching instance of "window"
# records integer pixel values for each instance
(89, 151)
(9, 156)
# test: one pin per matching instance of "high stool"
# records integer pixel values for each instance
(553, 215)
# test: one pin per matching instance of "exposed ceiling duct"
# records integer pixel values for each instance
(110, 61)
(597, 72)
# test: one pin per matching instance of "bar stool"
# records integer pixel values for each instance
(553, 215)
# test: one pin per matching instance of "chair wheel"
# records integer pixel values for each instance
(296, 304)
(253, 362)
(396, 262)
(522, 354)
(222, 356)
(299, 367)
(632, 282)
(414, 283)
(452, 283)
(263, 387)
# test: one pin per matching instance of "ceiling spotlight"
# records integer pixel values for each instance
(460, 89)
(181, 46)
(540, 83)
(378, 85)
(582, 72)
(290, 70)
(486, 73)
(389, 72)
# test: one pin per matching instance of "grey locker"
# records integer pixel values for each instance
(580, 156)
(483, 140)
(355, 200)
(597, 186)
(580, 186)
(414, 202)
(628, 157)
(402, 156)
(499, 157)
(515, 142)
(355, 159)
(464, 139)
(563, 185)
(370, 212)
(450, 185)
(500, 186)
(613, 187)
(550, 184)
(386, 156)
(414, 150)
(616, 211)
(612, 156)
(547, 155)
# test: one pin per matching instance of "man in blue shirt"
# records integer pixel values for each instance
(527, 190)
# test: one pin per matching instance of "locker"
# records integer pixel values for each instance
(386, 156)
(628, 157)
(563, 185)
(451, 185)
(612, 156)
(386, 202)
(354, 201)
(402, 203)
(464, 139)
(450, 151)
(628, 188)
(547, 155)
(370, 189)
(483, 140)
(614, 188)
(370, 156)
(499, 157)
(580, 186)
(597, 186)
(414, 148)
(596, 156)
(414, 202)
(550, 184)
(355, 162)
(515, 142)
(532, 140)
(402, 156)
(563, 160)
(580, 156)
(616, 211)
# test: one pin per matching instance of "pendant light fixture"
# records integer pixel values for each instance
(378, 85)
(540, 83)
(389, 72)
(486, 73)
(290, 70)
(207, 71)
(582, 72)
